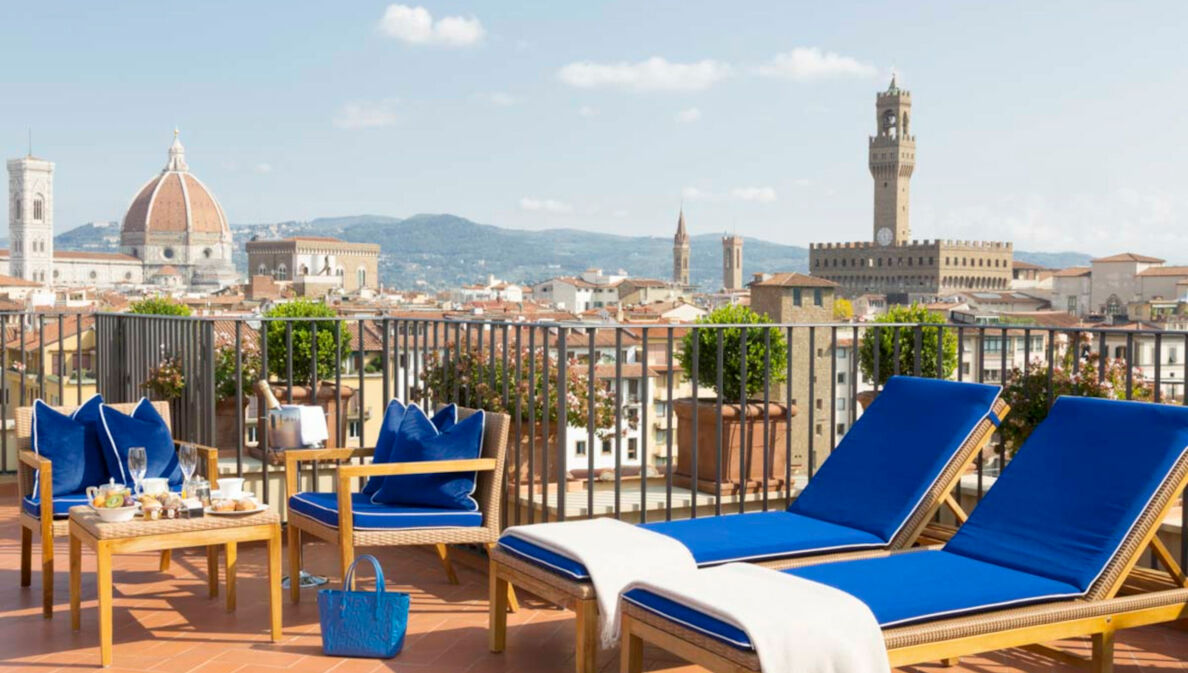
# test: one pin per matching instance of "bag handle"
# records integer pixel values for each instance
(348, 582)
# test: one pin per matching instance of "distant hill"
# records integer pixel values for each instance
(442, 251)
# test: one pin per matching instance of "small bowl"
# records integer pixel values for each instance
(116, 514)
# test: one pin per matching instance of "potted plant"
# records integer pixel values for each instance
(480, 381)
(914, 315)
(166, 381)
(333, 346)
(742, 463)
(226, 384)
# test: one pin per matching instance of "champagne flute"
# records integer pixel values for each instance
(187, 457)
(137, 465)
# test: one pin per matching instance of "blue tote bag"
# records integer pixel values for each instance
(363, 623)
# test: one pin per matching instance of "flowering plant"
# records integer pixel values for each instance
(1077, 372)
(250, 368)
(166, 381)
(477, 380)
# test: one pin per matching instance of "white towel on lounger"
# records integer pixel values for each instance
(795, 625)
(615, 554)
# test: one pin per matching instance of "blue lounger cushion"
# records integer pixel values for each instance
(323, 507)
(885, 465)
(1066, 502)
(731, 537)
(899, 590)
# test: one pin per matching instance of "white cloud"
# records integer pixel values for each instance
(803, 64)
(654, 74)
(695, 194)
(365, 114)
(802, 182)
(587, 111)
(502, 99)
(553, 206)
(415, 25)
(263, 167)
(758, 194)
(688, 115)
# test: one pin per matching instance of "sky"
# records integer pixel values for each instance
(1056, 125)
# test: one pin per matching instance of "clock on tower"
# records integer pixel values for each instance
(885, 236)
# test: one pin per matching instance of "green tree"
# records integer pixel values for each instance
(159, 306)
(914, 315)
(732, 356)
(328, 357)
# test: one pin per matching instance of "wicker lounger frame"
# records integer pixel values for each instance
(508, 570)
(1124, 597)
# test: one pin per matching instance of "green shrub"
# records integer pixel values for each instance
(732, 357)
(915, 315)
(329, 358)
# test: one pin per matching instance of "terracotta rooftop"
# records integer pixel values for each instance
(793, 280)
(1130, 257)
(1073, 272)
(13, 281)
(1164, 271)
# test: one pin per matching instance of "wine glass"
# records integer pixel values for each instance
(137, 465)
(187, 457)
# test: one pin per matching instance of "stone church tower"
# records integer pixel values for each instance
(680, 252)
(732, 262)
(892, 160)
(31, 218)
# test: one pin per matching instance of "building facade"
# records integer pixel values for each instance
(319, 263)
(31, 218)
(732, 263)
(892, 263)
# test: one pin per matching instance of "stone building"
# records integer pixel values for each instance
(680, 253)
(318, 264)
(175, 221)
(892, 263)
(732, 263)
(794, 298)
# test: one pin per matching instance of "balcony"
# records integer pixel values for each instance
(165, 622)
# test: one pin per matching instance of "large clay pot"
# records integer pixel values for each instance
(226, 427)
(865, 397)
(534, 443)
(303, 395)
(735, 478)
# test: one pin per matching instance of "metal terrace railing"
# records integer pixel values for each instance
(608, 419)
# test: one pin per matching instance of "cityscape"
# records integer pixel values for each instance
(654, 349)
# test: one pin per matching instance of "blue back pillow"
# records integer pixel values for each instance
(418, 439)
(385, 444)
(145, 427)
(95, 470)
(59, 438)
(1066, 502)
(881, 470)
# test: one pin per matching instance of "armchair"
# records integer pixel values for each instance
(56, 523)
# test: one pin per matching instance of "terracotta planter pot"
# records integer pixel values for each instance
(536, 444)
(735, 478)
(226, 427)
(302, 395)
(866, 397)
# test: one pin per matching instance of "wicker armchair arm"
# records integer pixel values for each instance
(346, 472)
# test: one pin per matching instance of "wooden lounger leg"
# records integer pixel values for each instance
(586, 655)
(294, 564)
(166, 559)
(513, 605)
(443, 553)
(26, 556)
(632, 650)
(497, 610)
(1103, 652)
(951, 662)
(47, 568)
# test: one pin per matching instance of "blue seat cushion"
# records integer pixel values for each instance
(885, 465)
(62, 504)
(385, 443)
(369, 516)
(902, 589)
(144, 427)
(1066, 502)
(419, 440)
(732, 537)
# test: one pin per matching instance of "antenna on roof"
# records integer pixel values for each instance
(30, 141)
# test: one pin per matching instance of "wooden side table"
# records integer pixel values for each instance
(210, 531)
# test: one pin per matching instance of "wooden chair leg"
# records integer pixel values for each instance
(166, 559)
(47, 568)
(513, 605)
(443, 553)
(951, 662)
(497, 610)
(586, 656)
(294, 564)
(1103, 652)
(212, 570)
(26, 556)
(631, 652)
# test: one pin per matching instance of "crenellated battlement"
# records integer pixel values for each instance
(917, 244)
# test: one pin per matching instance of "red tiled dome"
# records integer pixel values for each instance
(175, 201)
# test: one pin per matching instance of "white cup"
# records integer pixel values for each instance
(154, 485)
(231, 487)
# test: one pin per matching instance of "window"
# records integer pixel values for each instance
(353, 429)
(818, 297)
(136, 252)
(580, 447)
(282, 272)
(207, 252)
(820, 403)
(841, 377)
(796, 296)
(841, 404)
(1171, 355)
(38, 208)
(606, 447)
(168, 252)
(16, 209)
(632, 448)
(361, 276)
(127, 275)
(262, 270)
(841, 429)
